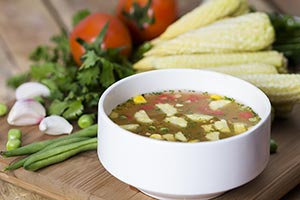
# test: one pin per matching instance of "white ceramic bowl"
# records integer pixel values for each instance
(174, 170)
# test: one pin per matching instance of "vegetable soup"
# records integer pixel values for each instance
(184, 116)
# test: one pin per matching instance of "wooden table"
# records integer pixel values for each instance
(27, 23)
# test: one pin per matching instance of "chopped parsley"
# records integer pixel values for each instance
(74, 90)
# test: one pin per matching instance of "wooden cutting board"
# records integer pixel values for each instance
(83, 177)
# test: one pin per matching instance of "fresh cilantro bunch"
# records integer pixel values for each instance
(74, 90)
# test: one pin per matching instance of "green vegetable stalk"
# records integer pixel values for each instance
(287, 30)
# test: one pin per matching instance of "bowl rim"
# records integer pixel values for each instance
(201, 143)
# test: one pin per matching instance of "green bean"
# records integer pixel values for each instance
(59, 157)
(90, 131)
(64, 142)
(56, 151)
(20, 163)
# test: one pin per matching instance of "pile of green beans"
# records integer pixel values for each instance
(287, 41)
(44, 153)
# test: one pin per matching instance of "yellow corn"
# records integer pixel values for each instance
(249, 32)
(156, 136)
(283, 90)
(253, 68)
(203, 15)
(215, 97)
(139, 99)
(273, 58)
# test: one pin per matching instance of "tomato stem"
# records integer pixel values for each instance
(99, 40)
(141, 16)
(94, 46)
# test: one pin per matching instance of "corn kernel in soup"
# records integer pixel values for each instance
(184, 116)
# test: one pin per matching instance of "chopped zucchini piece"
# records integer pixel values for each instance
(212, 136)
(199, 117)
(208, 128)
(168, 109)
(169, 137)
(130, 127)
(215, 105)
(179, 136)
(178, 121)
(222, 126)
(239, 128)
(141, 116)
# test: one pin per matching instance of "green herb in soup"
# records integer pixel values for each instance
(184, 116)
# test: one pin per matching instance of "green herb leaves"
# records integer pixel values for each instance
(75, 90)
(80, 15)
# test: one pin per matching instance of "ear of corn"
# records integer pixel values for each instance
(283, 90)
(278, 87)
(253, 68)
(249, 32)
(243, 9)
(212, 60)
(145, 64)
(203, 15)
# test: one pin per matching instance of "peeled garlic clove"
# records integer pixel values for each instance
(55, 125)
(30, 90)
(26, 112)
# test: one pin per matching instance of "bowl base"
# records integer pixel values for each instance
(163, 196)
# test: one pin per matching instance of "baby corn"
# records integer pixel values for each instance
(243, 8)
(278, 87)
(253, 68)
(249, 32)
(203, 15)
(273, 58)
(283, 90)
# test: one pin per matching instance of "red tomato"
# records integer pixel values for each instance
(246, 114)
(147, 19)
(88, 29)
(147, 107)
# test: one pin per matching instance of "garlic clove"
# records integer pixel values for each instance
(30, 90)
(26, 112)
(55, 125)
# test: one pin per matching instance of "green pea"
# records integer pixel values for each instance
(152, 128)
(13, 144)
(14, 134)
(273, 146)
(3, 109)
(164, 130)
(85, 120)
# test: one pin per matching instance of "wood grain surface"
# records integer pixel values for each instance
(26, 24)
(83, 176)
